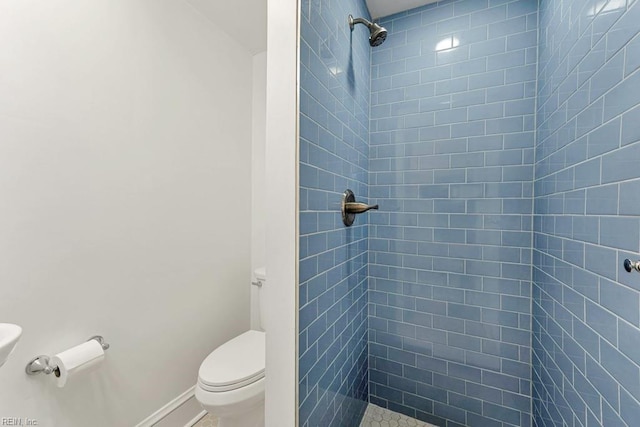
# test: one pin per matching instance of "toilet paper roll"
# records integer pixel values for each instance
(81, 358)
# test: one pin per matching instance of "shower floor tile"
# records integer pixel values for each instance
(376, 416)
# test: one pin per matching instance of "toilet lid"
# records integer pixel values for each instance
(235, 363)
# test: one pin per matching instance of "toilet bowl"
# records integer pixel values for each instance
(231, 379)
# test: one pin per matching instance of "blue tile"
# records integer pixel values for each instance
(522, 40)
(602, 322)
(603, 381)
(623, 97)
(466, 191)
(505, 125)
(452, 176)
(520, 107)
(607, 77)
(617, 166)
(452, 56)
(627, 341)
(491, 177)
(501, 381)
(501, 413)
(602, 200)
(507, 26)
(489, 15)
(506, 60)
(600, 73)
(440, 13)
(467, 129)
(442, 72)
(621, 369)
(454, 24)
(587, 174)
(505, 93)
(336, 149)
(586, 229)
(465, 99)
(621, 233)
(463, 312)
(622, 301)
(450, 116)
(629, 407)
(466, 69)
(590, 118)
(469, 7)
(483, 49)
(602, 260)
(633, 61)
(631, 126)
(604, 139)
(521, 7)
(629, 205)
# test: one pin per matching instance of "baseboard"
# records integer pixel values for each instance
(181, 411)
(196, 419)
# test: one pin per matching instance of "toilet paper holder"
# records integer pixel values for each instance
(42, 364)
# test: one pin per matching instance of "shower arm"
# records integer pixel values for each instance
(353, 21)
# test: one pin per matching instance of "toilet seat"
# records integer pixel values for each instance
(234, 402)
(230, 387)
(235, 364)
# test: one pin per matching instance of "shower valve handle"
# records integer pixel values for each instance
(356, 208)
(630, 265)
(350, 207)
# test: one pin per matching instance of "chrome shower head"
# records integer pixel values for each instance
(377, 34)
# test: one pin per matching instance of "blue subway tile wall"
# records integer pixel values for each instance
(451, 163)
(586, 362)
(334, 138)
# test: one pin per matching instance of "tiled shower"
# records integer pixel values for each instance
(501, 140)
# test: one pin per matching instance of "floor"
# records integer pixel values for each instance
(374, 416)
(208, 421)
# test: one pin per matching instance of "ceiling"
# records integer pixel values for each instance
(380, 8)
(245, 21)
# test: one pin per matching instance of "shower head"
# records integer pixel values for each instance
(377, 34)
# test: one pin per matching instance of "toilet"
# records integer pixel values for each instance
(231, 379)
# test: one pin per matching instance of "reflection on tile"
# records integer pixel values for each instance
(376, 416)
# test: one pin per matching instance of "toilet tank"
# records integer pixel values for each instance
(261, 276)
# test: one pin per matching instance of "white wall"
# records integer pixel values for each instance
(258, 184)
(124, 202)
(282, 212)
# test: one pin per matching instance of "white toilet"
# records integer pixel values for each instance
(231, 379)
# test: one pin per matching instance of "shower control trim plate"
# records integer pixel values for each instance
(350, 208)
